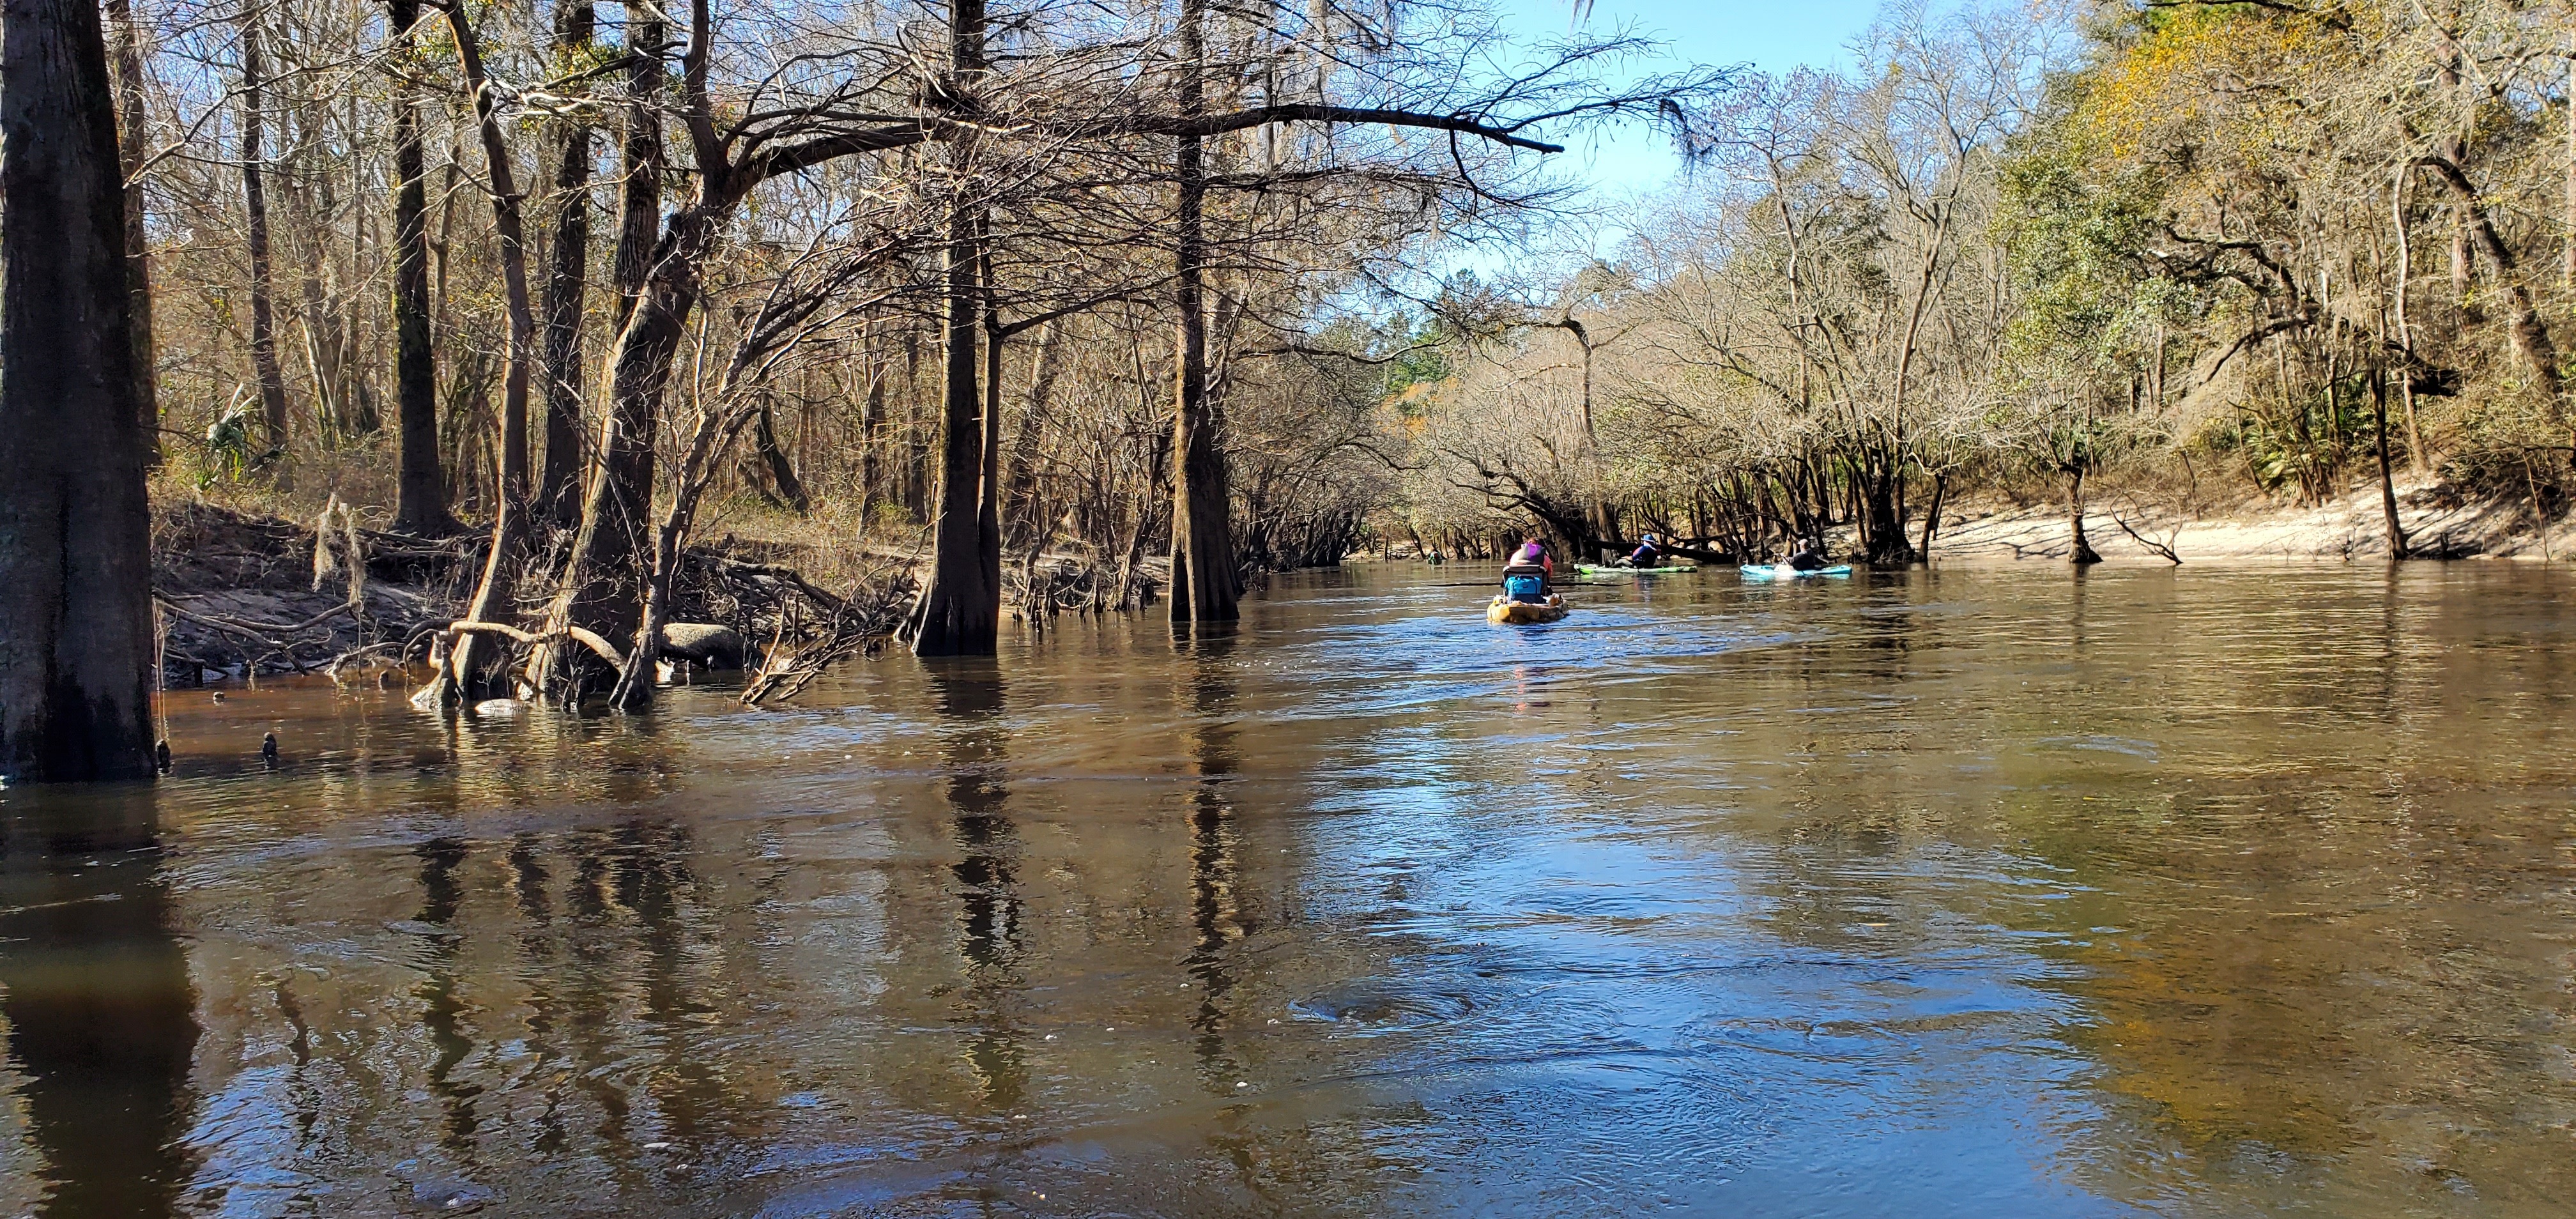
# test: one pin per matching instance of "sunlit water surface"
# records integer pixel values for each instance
(1982, 891)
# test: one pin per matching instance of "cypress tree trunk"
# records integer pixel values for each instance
(496, 594)
(961, 610)
(656, 279)
(639, 217)
(2082, 553)
(420, 496)
(76, 632)
(1203, 579)
(263, 309)
(2397, 546)
(567, 274)
(603, 585)
(136, 121)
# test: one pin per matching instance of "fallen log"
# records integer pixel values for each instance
(707, 644)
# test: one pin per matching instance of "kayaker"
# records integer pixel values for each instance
(1533, 553)
(1528, 575)
(1806, 557)
(1647, 553)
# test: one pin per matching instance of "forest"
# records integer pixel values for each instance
(829, 321)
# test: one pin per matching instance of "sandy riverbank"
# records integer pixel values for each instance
(2437, 524)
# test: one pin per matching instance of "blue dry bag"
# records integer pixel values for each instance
(1524, 587)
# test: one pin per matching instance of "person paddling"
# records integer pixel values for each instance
(1649, 553)
(1805, 557)
(1531, 568)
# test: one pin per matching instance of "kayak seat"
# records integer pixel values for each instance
(1525, 582)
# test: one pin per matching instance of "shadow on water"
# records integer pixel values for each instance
(102, 1020)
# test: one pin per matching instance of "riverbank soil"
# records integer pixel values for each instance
(2438, 523)
(244, 595)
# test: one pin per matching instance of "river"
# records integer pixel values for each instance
(1973, 891)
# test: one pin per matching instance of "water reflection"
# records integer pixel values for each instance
(442, 1008)
(101, 1017)
(1217, 913)
(969, 698)
(1935, 893)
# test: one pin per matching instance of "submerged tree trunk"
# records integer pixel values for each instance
(1882, 514)
(603, 583)
(2081, 553)
(961, 609)
(497, 592)
(76, 631)
(263, 309)
(1204, 588)
(420, 497)
(2397, 545)
(656, 279)
(558, 502)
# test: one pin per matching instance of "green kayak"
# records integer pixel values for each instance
(1782, 571)
(1589, 570)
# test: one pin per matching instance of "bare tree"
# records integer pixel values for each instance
(263, 309)
(421, 495)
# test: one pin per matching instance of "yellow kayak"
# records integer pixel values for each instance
(1505, 611)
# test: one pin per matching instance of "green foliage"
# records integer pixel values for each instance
(2076, 239)
(2304, 443)
(591, 59)
(1420, 353)
(231, 448)
(1404, 348)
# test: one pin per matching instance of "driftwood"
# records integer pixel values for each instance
(442, 688)
(275, 638)
(586, 638)
(254, 630)
(2162, 549)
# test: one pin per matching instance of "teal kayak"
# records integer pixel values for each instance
(1782, 571)
(1589, 570)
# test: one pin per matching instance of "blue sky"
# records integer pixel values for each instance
(1769, 34)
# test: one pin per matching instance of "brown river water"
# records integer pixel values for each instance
(1975, 891)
